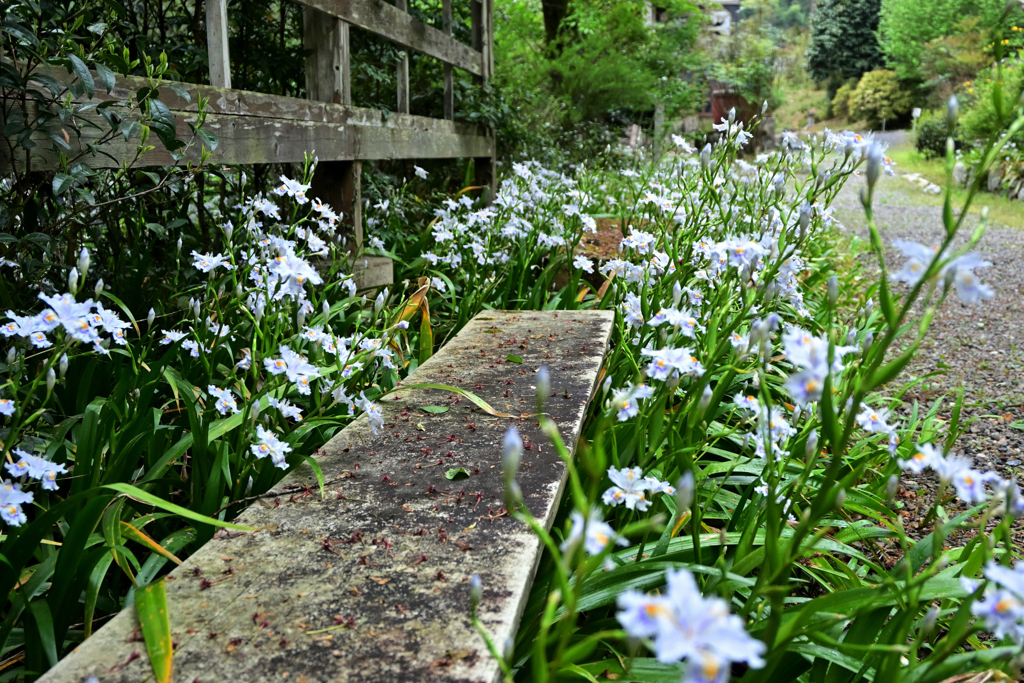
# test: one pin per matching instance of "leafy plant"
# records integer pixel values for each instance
(200, 406)
(931, 135)
(761, 377)
(60, 118)
(983, 116)
(841, 102)
(879, 96)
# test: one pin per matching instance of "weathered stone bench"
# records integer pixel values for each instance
(372, 582)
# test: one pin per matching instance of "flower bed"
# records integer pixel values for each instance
(730, 512)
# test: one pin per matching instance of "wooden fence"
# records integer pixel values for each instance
(257, 128)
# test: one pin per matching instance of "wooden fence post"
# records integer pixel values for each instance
(403, 68)
(488, 50)
(658, 133)
(476, 25)
(217, 43)
(485, 167)
(449, 83)
(328, 79)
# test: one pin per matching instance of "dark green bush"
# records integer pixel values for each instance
(932, 133)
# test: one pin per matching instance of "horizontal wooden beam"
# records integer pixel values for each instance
(377, 16)
(258, 140)
(255, 128)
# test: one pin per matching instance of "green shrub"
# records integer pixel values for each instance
(932, 132)
(879, 96)
(841, 101)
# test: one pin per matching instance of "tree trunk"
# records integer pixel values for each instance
(554, 12)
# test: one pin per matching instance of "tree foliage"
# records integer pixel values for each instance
(906, 27)
(843, 41)
(601, 61)
(747, 60)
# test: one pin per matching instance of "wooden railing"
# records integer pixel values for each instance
(257, 128)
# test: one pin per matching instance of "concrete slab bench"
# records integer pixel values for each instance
(371, 583)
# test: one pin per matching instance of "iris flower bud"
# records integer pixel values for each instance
(705, 157)
(179, 246)
(300, 317)
(874, 168)
(239, 292)
(12, 354)
(684, 491)
(840, 499)
(833, 291)
(83, 261)
(811, 447)
(258, 313)
(99, 288)
(677, 294)
(378, 304)
(51, 380)
(512, 454)
(151, 317)
(732, 115)
(705, 400)
(764, 107)
(229, 230)
(805, 219)
(543, 384)
(476, 591)
(930, 619)
(73, 281)
(326, 310)
(952, 112)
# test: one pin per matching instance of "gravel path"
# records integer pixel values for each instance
(979, 348)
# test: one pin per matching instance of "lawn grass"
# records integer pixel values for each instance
(1001, 209)
(792, 114)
